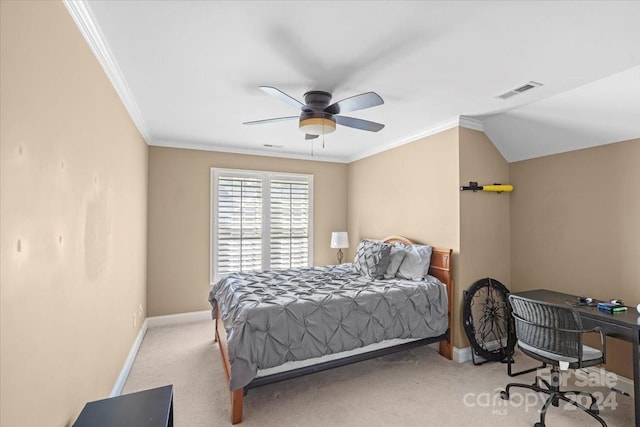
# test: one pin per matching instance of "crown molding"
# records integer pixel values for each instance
(471, 123)
(459, 121)
(246, 151)
(449, 124)
(86, 24)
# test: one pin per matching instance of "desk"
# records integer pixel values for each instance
(625, 326)
(148, 408)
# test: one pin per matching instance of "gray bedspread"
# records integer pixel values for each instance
(273, 317)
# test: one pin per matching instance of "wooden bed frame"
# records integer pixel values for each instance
(440, 267)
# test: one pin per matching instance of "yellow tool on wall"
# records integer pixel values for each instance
(496, 188)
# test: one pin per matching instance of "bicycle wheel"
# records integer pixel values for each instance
(487, 320)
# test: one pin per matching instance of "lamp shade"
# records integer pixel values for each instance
(339, 239)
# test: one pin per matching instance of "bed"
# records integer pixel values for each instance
(281, 324)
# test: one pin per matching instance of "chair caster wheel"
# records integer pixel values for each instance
(538, 425)
(504, 395)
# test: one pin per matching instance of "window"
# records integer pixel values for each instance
(259, 221)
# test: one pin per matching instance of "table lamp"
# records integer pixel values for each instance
(339, 240)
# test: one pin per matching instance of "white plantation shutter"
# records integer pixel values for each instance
(260, 220)
(239, 224)
(289, 230)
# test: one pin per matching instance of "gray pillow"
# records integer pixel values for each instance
(398, 252)
(371, 259)
(415, 265)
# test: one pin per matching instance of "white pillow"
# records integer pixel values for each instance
(415, 265)
(398, 253)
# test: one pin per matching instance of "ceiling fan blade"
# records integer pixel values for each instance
(359, 123)
(356, 102)
(277, 119)
(309, 136)
(283, 97)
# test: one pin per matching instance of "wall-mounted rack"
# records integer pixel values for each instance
(495, 188)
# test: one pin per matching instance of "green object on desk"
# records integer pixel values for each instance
(611, 307)
(613, 310)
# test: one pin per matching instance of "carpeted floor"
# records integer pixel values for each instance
(412, 388)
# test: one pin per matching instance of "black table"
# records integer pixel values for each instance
(625, 326)
(148, 408)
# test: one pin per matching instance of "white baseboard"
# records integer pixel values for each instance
(175, 319)
(463, 355)
(457, 356)
(620, 383)
(625, 384)
(153, 322)
(128, 363)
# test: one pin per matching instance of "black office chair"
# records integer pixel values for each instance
(552, 334)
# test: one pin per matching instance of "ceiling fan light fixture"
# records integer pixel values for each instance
(317, 125)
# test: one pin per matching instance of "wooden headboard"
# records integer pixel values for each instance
(439, 267)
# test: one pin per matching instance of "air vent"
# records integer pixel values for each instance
(519, 90)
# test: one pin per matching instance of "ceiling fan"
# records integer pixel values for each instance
(317, 117)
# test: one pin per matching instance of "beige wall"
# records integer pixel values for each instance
(575, 227)
(411, 190)
(414, 190)
(408, 190)
(72, 217)
(179, 219)
(484, 217)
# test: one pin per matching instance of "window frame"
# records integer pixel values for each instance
(266, 177)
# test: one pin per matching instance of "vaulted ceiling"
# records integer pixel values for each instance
(189, 71)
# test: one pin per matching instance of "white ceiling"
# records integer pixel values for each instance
(189, 71)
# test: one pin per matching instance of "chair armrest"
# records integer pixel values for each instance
(603, 341)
